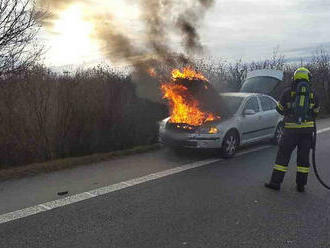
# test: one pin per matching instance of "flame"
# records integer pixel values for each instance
(183, 107)
(187, 73)
(152, 72)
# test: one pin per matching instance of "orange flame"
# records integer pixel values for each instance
(187, 73)
(152, 72)
(183, 107)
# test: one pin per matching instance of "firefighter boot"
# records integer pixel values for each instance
(276, 180)
(300, 188)
(301, 179)
(274, 186)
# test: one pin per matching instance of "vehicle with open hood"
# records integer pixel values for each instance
(248, 116)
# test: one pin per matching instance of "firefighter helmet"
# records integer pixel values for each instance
(302, 73)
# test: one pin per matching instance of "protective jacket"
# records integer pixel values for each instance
(285, 107)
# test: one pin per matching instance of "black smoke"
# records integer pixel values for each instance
(206, 95)
(161, 19)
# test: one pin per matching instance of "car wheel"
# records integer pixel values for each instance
(230, 144)
(278, 134)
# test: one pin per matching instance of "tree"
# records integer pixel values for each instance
(237, 74)
(19, 24)
(320, 67)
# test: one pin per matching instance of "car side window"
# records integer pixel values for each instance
(253, 104)
(267, 103)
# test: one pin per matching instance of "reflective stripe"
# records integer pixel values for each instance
(298, 126)
(293, 93)
(302, 169)
(306, 122)
(301, 125)
(280, 168)
(280, 106)
(312, 104)
(302, 98)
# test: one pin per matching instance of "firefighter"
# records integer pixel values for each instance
(299, 105)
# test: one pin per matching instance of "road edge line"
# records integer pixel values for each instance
(43, 207)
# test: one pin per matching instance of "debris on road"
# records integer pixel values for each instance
(62, 193)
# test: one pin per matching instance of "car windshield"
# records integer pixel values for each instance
(231, 104)
(263, 85)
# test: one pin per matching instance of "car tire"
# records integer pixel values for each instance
(229, 145)
(278, 134)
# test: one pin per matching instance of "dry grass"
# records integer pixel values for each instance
(68, 163)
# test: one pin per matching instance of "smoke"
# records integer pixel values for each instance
(188, 23)
(169, 35)
(205, 94)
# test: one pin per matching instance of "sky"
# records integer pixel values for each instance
(251, 29)
(232, 30)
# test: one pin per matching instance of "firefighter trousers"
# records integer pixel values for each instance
(291, 139)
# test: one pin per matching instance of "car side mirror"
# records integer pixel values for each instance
(249, 112)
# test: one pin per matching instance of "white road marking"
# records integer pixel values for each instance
(115, 187)
(47, 208)
(323, 130)
(97, 192)
(89, 193)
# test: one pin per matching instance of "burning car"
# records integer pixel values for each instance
(208, 120)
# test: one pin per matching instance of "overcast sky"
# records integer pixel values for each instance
(251, 29)
(248, 29)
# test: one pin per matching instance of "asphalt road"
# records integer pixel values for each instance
(223, 204)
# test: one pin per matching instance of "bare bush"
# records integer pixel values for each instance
(46, 116)
(276, 62)
(18, 28)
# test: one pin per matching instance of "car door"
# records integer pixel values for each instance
(250, 125)
(269, 116)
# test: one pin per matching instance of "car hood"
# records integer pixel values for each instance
(210, 123)
(262, 81)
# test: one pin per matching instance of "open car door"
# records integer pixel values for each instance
(263, 81)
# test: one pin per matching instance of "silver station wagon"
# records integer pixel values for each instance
(248, 118)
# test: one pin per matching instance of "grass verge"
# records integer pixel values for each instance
(60, 164)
